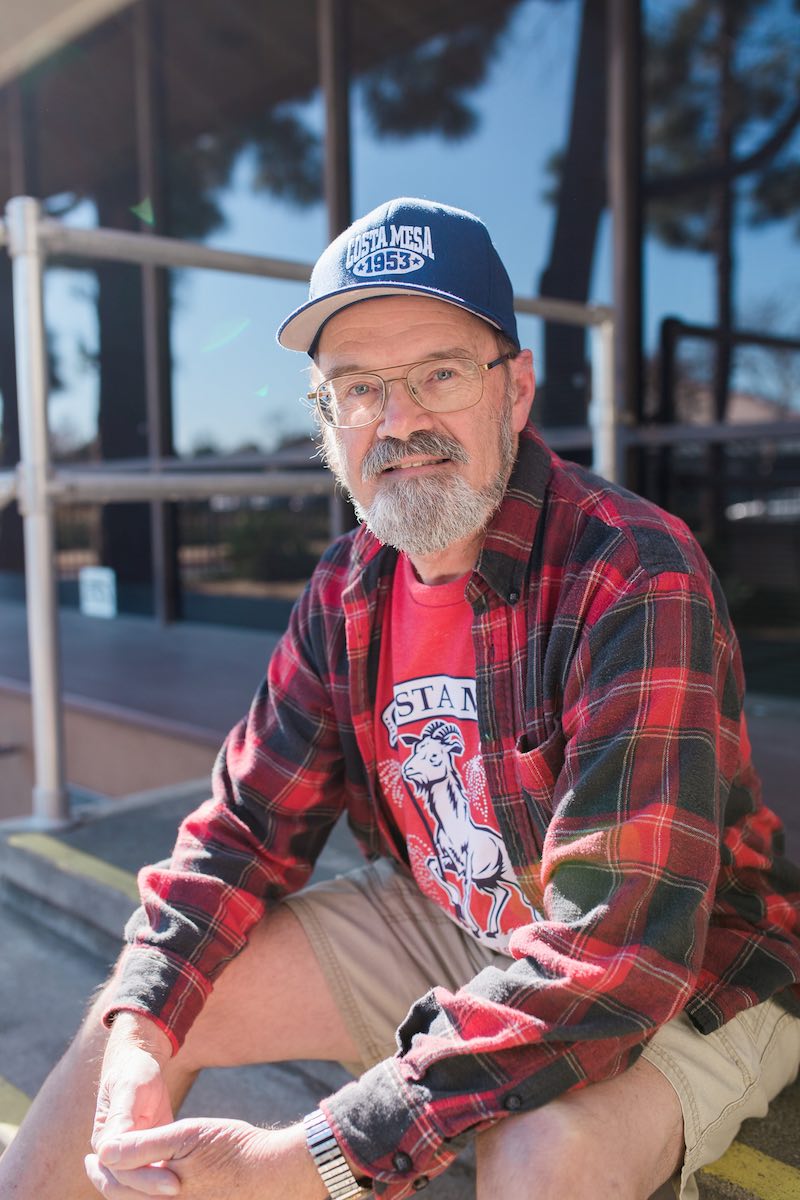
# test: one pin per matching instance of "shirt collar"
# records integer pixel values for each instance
(505, 554)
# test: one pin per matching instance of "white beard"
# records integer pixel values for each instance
(424, 515)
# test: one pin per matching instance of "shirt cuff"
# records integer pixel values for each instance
(166, 989)
(382, 1122)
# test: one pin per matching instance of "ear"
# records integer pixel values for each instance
(524, 389)
(408, 739)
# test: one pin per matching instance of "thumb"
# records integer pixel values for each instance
(118, 1117)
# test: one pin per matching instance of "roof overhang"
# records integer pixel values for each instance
(33, 30)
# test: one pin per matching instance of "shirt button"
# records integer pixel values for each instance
(512, 1102)
(420, 1183)
(402, 1162)
(513, 597)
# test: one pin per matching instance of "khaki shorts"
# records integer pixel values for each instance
(382, 945)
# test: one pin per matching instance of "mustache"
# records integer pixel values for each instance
(392, 451)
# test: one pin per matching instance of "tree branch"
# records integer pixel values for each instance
(673, 185)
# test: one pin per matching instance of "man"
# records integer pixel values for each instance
(521, 685)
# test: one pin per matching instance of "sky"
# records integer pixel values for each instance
(232, 384)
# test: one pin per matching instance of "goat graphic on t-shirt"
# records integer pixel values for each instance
(473, 853)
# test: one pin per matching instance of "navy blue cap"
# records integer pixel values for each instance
(404, 247)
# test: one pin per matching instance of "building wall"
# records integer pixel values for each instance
(205, 119)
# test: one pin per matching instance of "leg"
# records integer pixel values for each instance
(251, 1016)
(618, 1140)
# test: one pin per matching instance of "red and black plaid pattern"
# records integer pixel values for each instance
(609, 689)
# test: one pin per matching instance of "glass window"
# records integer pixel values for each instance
(723, 164)
(473, 105)
(244, 172)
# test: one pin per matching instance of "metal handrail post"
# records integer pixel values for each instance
(603, 411)
(50, 803)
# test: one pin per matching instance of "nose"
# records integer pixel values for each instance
(401, 415)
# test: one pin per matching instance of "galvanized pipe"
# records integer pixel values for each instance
(50, 803)
(568, 312)
(114, 245)
(74, 486)
(603, 415)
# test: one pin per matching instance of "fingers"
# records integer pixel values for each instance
(131, 1166)
(138, 1184)
(145, 1147)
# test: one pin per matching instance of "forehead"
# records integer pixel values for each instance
(366, 332)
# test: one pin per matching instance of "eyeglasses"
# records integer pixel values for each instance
(439, 385)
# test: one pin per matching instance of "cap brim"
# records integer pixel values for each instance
(302, 328)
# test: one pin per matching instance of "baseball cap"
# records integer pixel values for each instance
(406, 247)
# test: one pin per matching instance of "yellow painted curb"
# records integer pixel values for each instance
(765, 1177)
(7, 1133)
(13, 1106)
(76, 862)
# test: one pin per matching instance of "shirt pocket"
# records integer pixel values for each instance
(538, 769)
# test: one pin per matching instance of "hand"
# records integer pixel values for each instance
(203, 1159)
(132, 1093)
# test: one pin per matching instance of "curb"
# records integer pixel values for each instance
(76, 895)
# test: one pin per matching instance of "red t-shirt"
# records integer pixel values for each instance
(429, 759)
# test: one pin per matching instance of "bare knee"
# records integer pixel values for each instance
(542, 1154)
(617, 1140)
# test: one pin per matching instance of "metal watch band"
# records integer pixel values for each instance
(328, 1158)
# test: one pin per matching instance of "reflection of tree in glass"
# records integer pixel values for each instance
(289, 166)
(722, 109)
(723, 81)
(417, 68)
(425, 89)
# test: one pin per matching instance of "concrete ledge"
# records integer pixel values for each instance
(110, 750)
(75, 895)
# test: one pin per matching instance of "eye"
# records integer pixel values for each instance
(356, 390)
(443, 374)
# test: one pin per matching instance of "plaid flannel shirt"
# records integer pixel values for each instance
(609, 690)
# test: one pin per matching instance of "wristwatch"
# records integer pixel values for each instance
(329, 1160)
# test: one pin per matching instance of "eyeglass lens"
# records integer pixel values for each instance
(444, 385)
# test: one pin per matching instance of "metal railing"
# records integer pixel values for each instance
(673, 332)
(39, 487)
